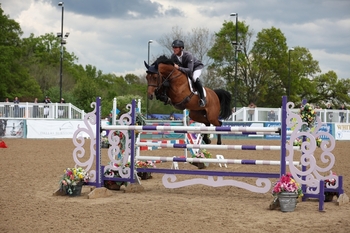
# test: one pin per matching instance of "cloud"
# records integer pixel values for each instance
(113, 35)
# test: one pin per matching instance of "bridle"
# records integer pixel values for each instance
(163, 81)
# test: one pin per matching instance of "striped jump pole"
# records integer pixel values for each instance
(220, 147)
(193, 129)
(199, 160)
(215, 132)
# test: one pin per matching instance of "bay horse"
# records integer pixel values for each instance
(164, 81)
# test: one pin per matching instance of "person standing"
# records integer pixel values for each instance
(188, 64)
(271, 116)
(47, 101)
(35, 108)
(342, 113)
(61, 108)
(251, 111)
(329, 113)
(16, 107)
(7, 107)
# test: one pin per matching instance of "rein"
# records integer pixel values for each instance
(166, 81)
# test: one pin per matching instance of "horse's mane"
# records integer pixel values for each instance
(164, 59)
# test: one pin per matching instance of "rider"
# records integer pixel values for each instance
(187, 63)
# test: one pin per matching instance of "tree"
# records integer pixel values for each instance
(223, 54)
(15, 79)
(329, 89)
(198, 42)
(262, 72)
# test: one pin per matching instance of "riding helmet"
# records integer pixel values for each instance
(178, 43)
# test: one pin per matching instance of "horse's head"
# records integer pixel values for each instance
(153, 79)
(165, 67)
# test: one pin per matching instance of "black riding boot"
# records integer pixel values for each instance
(202, 101)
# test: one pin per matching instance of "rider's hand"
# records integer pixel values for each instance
(176, 66)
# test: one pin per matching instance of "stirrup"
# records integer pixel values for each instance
(202, 103)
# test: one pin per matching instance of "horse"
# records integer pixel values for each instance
(164, 81)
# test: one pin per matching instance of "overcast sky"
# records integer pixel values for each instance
(113, 35)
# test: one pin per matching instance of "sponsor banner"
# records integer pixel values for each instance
(274, 125)
(11, 128)
(325, 127)
(342, 131)
(56, 129)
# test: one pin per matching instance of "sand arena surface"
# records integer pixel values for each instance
(31, 170)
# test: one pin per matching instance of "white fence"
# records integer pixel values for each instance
(40, 110)
(274, 114)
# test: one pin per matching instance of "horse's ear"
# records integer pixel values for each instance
(147, 66)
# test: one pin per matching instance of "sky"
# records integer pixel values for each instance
(113, 35)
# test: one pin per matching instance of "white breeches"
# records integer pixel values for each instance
(196, 75)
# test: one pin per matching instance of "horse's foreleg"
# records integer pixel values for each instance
(219, 139)
(206, 139)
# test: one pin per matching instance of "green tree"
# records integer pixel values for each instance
(15, 79)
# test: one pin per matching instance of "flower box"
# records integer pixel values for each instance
(199, 165)
(287, 201)
(73, 180)
(330, 195)
(75, 190)
(286, 192)
(111, 185)
(145, 175)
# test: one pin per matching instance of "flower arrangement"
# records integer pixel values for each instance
(299, 141)
(329, 195)
(73, 177)
(105, 140)
(287, 184)
(308, 115)
(318, 142)
(203, 154)
(147, 164)
(115, 173)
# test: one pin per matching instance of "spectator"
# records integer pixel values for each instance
(16, 107)
(35, 108)
(329, 113)
(61, 108)
(7, 107)
(47, 101)
(318, 110)
(342, 113)
(271, 116)
(251, 111)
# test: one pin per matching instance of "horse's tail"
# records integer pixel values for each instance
(225, 103)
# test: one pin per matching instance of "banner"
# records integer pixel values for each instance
(342, 131)
(274, 125)
(10, 128)
(56, 129)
